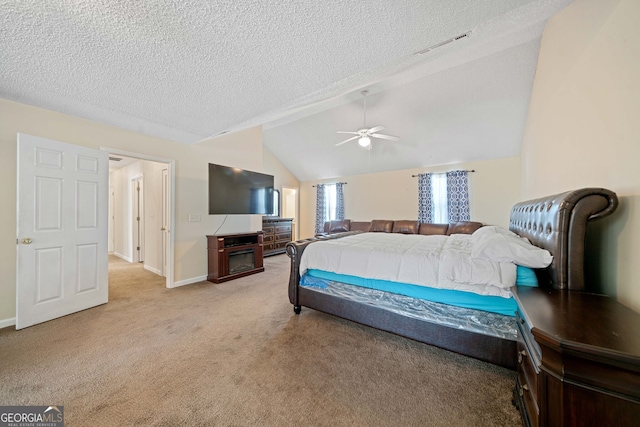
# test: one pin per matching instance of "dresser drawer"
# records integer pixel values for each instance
(268, 238)
(268, 229)
(524, 334)
(529, 371)
(530, 404)
(283, 228)
(283, 236)
(280, 245)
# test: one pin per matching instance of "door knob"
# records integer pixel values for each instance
(26, 241)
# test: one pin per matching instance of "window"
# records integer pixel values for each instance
(330, 202)
(443, 197)
(439, 194)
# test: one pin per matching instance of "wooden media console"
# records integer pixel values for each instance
(234, 255)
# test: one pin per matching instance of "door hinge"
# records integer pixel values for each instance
(138, 248)
(138, 218)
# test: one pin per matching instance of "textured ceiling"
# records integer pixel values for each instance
(188, 70)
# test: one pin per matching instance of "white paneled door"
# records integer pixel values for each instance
(61, 230)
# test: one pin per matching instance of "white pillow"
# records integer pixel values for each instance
(491, 230)
(500, 245)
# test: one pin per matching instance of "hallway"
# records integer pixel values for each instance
(130, 280)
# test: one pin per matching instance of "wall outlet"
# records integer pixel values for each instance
(194, 218)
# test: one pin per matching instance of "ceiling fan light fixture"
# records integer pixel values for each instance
(365, 141)
(365, 134)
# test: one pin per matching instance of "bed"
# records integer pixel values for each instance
(555, 223)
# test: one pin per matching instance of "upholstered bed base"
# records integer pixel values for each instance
(484, 347)
(556, 223)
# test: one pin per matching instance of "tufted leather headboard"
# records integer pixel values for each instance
(558, 223)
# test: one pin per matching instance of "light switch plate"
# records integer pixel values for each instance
(194, 218)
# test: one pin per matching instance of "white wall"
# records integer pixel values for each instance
(493, 189)
(152, 175)
(240, 149)
(583, 129)
(283, 178)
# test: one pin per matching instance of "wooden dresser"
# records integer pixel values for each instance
(277, 233)
(578, 359)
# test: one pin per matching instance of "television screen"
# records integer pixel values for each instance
(239, 191)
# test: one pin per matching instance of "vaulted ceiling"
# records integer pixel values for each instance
(192, 69)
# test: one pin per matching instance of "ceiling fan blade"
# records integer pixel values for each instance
(375, 129)
(389, 137)
(352, 133)
(347, 140)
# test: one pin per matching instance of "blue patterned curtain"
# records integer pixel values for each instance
(425, 198)
(340, 200)
(320, 208)
(458, 196)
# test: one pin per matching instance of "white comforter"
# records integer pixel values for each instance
(434, 261)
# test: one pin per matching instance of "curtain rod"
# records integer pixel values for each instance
(472, 170)
(331, 183)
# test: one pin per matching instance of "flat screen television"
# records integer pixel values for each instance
(238, 191)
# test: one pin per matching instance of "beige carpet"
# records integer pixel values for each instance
(234, 354)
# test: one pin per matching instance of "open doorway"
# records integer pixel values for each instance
(142, 217)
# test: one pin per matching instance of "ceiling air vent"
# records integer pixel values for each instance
(437, 45)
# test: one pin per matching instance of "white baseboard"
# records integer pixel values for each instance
(189, 281)
(153, 270)
(126, 258)
(5, 323)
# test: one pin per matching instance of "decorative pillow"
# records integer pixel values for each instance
(381, 225)
(493, 229)
(526, 276)
(500, 245)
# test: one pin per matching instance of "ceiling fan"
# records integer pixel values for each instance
(365, 134)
